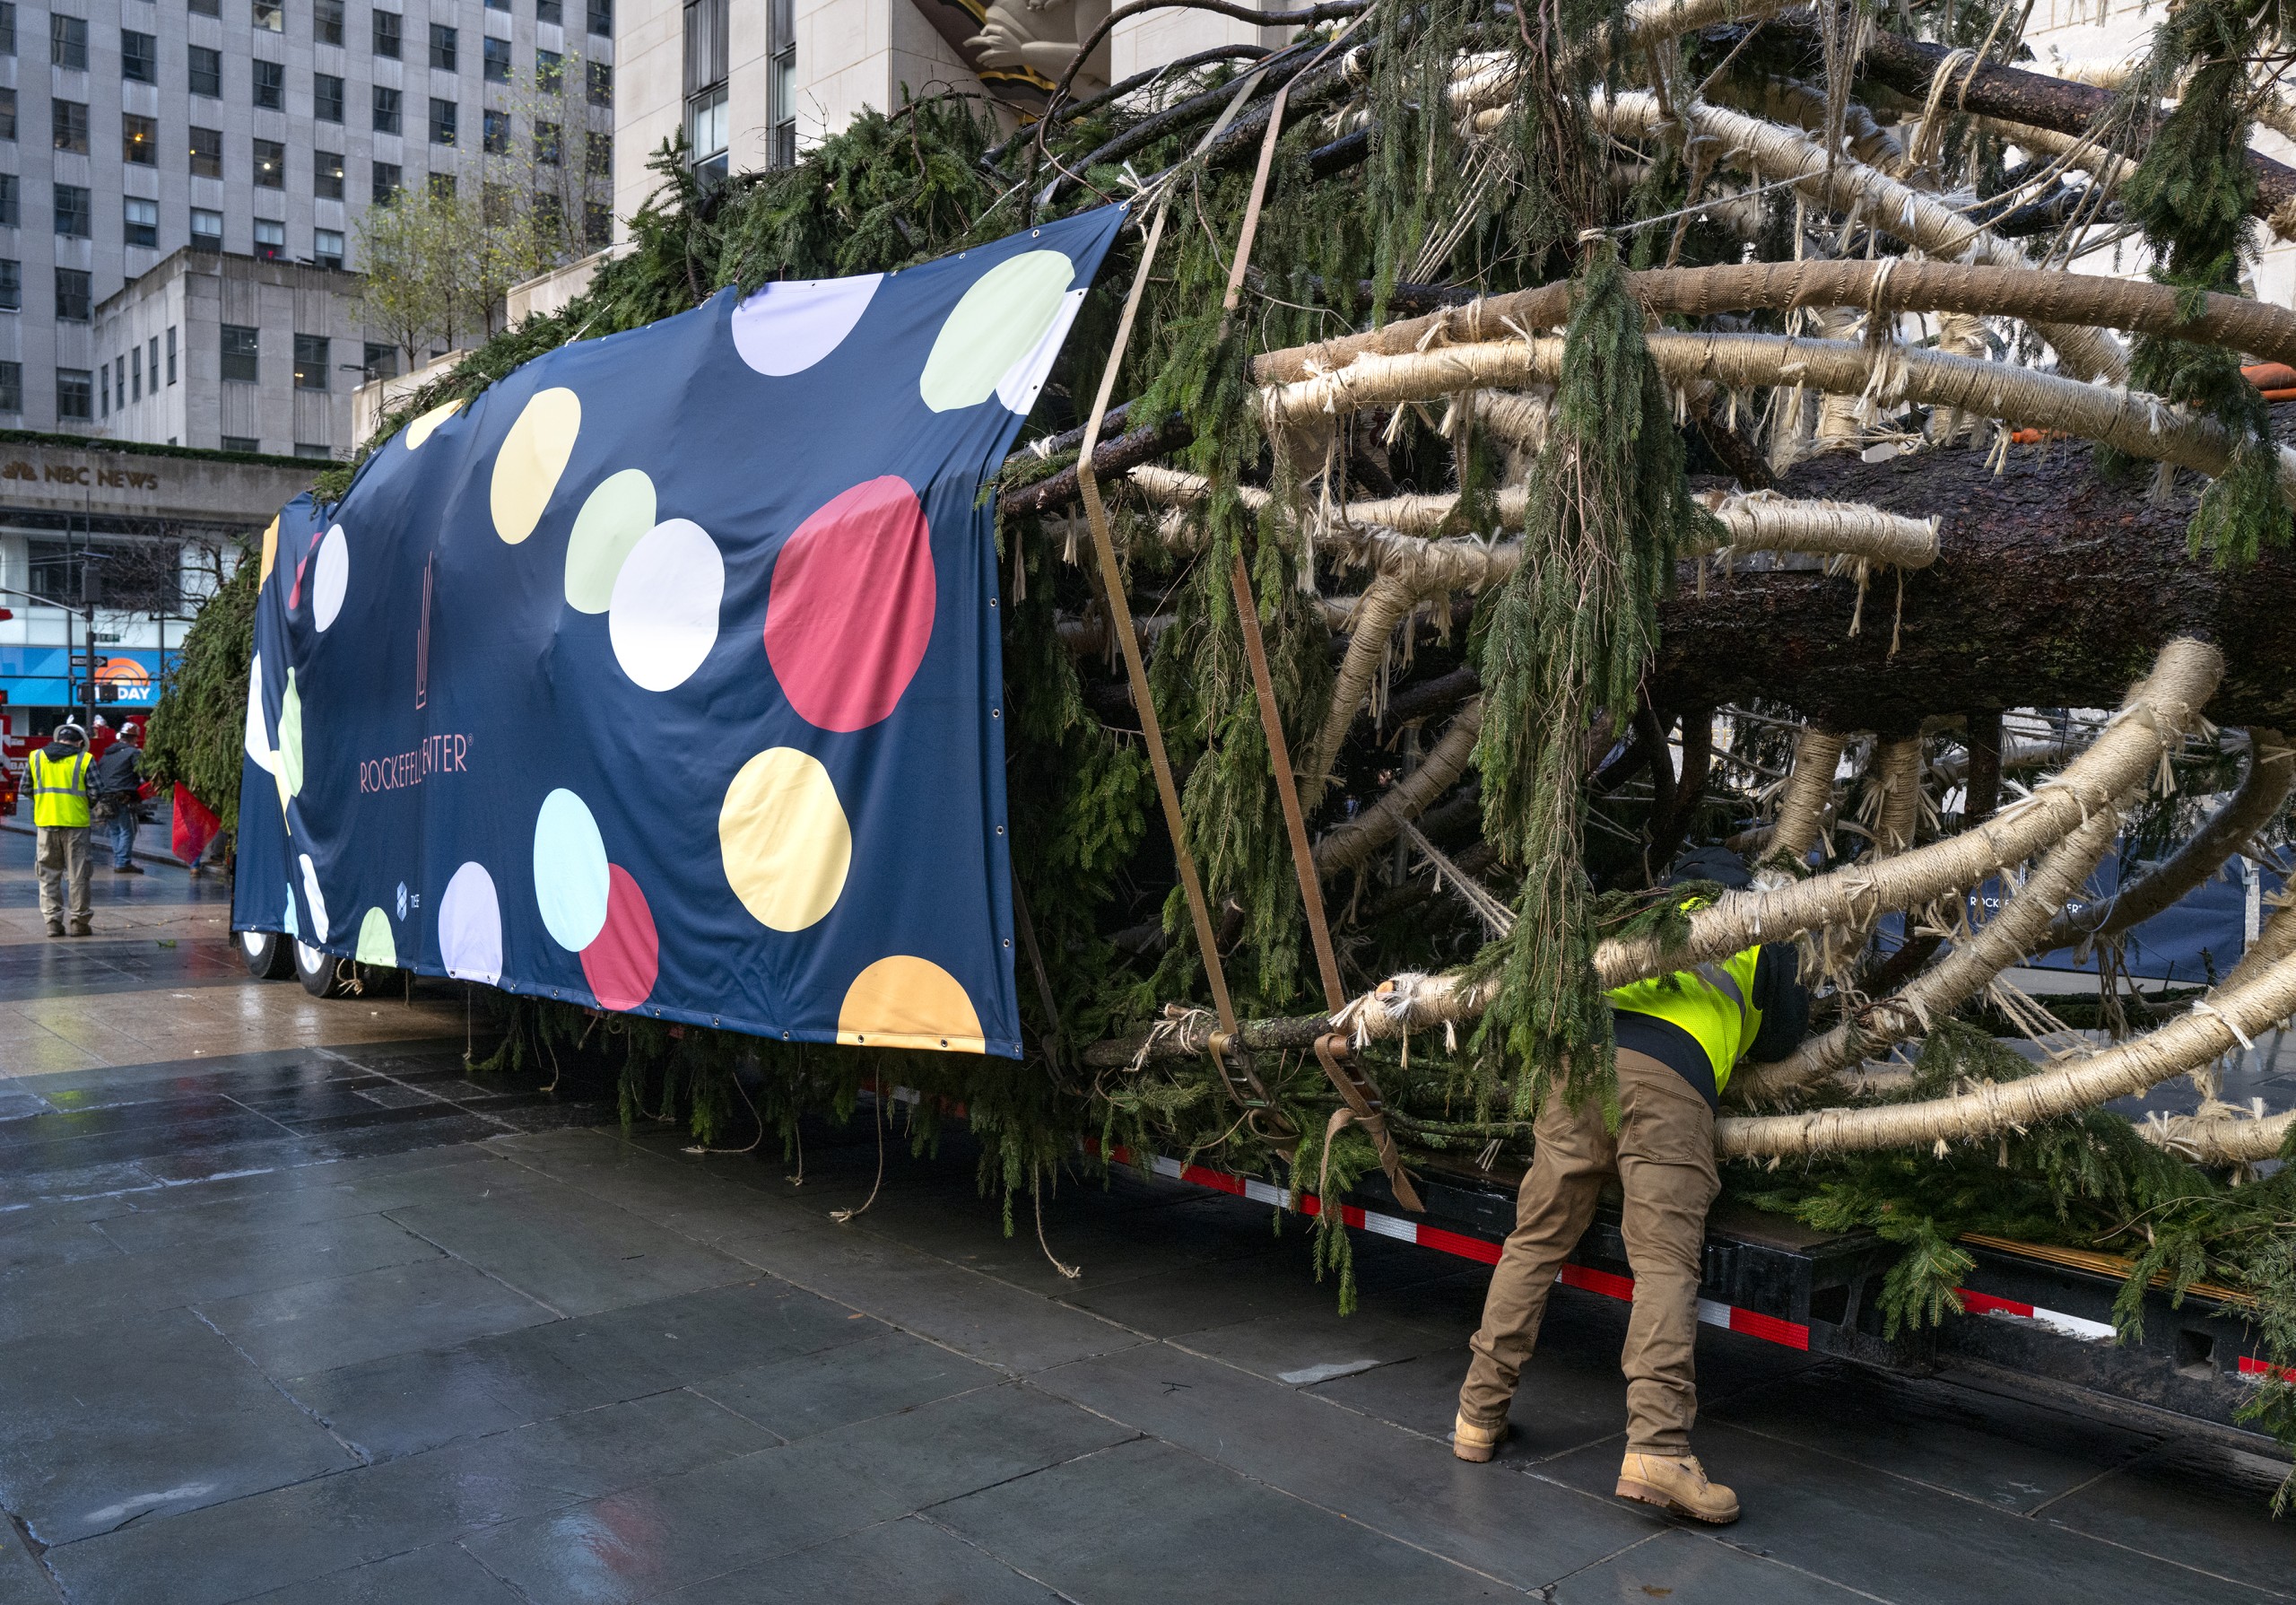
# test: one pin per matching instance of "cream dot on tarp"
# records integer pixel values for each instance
(904, 1001)
(570, 881)
(331, 579)
(663, 619)
(470, 926)
(622, 964)
(290, 739)
(258, 740)
(849, 613)
(530, 459)
(615, 517)
(375, 945)
(784, 839)
(1023, 381)
(790, 325)
(996, 324)
(313, 897)
(427, 425)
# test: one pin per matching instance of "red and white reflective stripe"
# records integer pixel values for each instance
(2054, 1320)
(1770, 1328)
(2257, 1370)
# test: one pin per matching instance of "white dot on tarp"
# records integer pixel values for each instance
(663, 619)
(313, 897)
(789, 326)
(571, 874)
(332, 578)
(470, 926)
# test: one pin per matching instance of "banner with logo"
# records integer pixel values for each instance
(665, 675)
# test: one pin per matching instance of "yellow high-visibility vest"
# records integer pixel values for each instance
(59, 790)
(1713, 1002)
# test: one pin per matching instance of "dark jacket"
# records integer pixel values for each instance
(116, 774)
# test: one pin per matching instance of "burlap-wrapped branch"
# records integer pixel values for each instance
(1808, 797)
(2221, 1135)
(1352, 842)
(2130, 421)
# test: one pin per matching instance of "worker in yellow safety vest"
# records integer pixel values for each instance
(59, 776)
(1678, 1036)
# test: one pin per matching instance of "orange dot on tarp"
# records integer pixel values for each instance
(905, 1001)
(623, 961)
(851, 611)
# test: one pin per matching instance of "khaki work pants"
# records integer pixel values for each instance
(1664, 1159)
(64, 866)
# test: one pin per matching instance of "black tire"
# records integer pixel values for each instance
(268, 955)
(321, 973)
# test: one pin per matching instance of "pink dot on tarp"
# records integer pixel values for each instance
(851, 611)
(622, 964)
(295, 591)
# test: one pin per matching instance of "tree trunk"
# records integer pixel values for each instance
(2054, 586)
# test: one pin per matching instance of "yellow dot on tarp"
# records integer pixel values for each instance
(532, 456)
(784, 838)
(615, 518)
(995, 323)
(270, 552)
(375, 944)
(425, 427)
(908, 1002)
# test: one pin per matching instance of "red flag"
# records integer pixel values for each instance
(195, 825)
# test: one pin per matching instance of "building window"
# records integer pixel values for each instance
(139, 56)
(310, 362)
(75, 394)
(139, 139)
(494, 206)
(598, 223)
(270, 15)
(705, 86)
(382, 360)
(705, 132)
(550, 72)
(385, 110)
(602, 18)
(247, 444)
(550, 145)
(12, 214)
(7, 114)
(171, 353)
(442, 48)
(67, 42)
(12, 286)
(549, 11)
(442, 121)
(154, 363)
(207, 153)
(239, 348)
(494, 131)
(70, 120)
(206, 229)
(781, 86)
(270, 164)
(495, 60)
(386, 34)
(327, 97)
(597, 155)
(75, 217)
(103, 389)
(601, 77)
(314, 449)
(550, 215)
(11, 387)
(442, 187)
(141, 218)
(136, 372)
(270, 239)
(386, 182)
(73, 288)
(271, 85)
(207, 8)
(327, 247)
(206, 72)
(326, 21)
(8, 28)
(326, 175)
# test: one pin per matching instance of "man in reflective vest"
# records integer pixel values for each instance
(1678, 1036)
(58, 777)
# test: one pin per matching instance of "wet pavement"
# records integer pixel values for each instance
(293, 1308)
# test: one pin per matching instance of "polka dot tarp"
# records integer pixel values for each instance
(663, 676)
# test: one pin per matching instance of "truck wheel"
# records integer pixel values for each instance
(268, 956)
(321, 972)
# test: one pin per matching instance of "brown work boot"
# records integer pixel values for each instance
(79, 927)
(56, 928)
(1476, 1443)
(1677, 1485)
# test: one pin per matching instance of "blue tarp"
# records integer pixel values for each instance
(666, 675)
